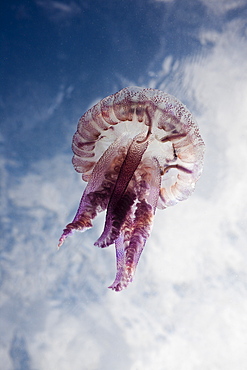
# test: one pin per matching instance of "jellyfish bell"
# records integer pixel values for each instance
(139, 149)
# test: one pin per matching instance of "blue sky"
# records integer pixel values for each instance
(187, 305)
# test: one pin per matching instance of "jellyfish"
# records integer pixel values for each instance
(138, 150)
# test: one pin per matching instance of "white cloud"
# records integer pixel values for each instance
(59, 10)
(221, 7)
(164, 1)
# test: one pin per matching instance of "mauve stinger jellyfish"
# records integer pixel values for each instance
(138, 150)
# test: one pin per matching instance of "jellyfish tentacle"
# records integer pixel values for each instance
(177, 166)
(172, 137)
(150, 123)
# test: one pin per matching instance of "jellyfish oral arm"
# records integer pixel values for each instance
(136, 229)
(128, 252)
(119, 202)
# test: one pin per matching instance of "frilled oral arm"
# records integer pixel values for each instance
(137, 226)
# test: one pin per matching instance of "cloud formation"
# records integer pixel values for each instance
(188, 302)
(59, 10)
